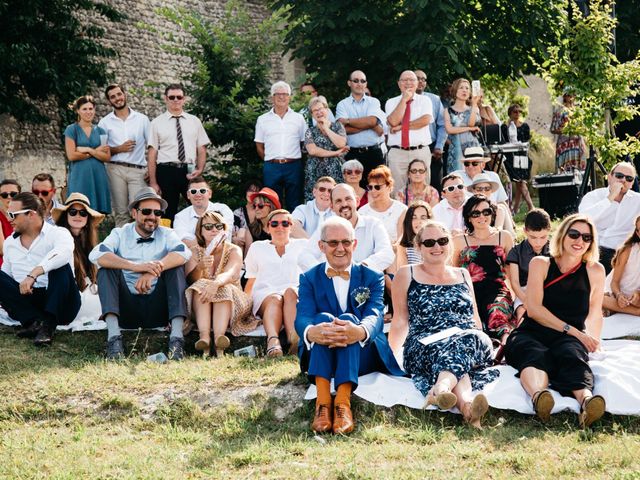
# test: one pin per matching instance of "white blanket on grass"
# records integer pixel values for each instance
(620, 325)
(617, 379)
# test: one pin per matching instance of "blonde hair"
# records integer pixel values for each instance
(556, 248)
(417, 240)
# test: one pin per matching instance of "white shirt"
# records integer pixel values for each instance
(450, 217)
(164, 137)
(51, 249)
(389, 217)
(498, 196)
(281, 136)
(186, 220)
(420, 106)
(373, 248)
(310, 217)
(613, 220)
(135, 127)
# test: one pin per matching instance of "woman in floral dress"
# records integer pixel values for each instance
(462, 121)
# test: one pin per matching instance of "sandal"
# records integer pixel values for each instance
(202, 345)
(444, 400)
(592, 409)
(274, 351)
(543, 403)
(478, 407)
(294, 339)
(222, 342)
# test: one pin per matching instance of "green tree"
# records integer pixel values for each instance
(50, 50)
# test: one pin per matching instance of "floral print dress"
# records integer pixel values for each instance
(317, 167)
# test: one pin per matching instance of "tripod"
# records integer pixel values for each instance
(590, 173)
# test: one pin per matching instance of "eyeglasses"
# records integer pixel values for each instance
(13, 215)
(417, 170)
(431, 242)
(44, 193)
(408, 80)
(260, 206)
(324, 189)
(358, 80)
(8, 194)
(72, 212)
(453, 188)
(175, 97)
(201, 191)
(352, 172)
(211, 226)
(487, 212)
(471, 164)
(335, 243)
(371, 186)
(482, 189)
(620, 176)
(281, 95)
(575, 234)
(422, 79)
(149, 211)
(275, 223)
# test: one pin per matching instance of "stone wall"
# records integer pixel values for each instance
(26, 150)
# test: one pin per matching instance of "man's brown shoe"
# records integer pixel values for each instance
(342, 419)
(322, 421)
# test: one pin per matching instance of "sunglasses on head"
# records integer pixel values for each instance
(175, 97)
(335, 243)
(487, 212)
(8, 194)
(13, 215)
(324, 189)
(431, 242)
(72, 212)
(371, 186)
(417, 170)
(471, 164)
(149, 211)
(201, 191)
(453, 188)
(358, 80)
(575, 234)
(482, 189)
(275, 223)
(211, 226)
(620, 176)
(352, 172)
(44, 193)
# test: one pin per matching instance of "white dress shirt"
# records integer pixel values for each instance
(164, 137)
(389, 217)
(450, 217)
(281, 136)
(310, 216)
(186, 220)
(420, 106)
(136, 127)
(51, 249)
(613, 220)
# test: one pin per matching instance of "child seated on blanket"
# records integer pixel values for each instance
(622, 286)
(537, 226)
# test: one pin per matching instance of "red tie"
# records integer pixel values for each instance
(404, 142)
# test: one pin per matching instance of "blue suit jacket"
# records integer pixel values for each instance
(316, 295)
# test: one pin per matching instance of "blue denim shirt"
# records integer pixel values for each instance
(436, 127)
(366, 107)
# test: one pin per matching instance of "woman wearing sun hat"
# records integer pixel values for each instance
(264, 201)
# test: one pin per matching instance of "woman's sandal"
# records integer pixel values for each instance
(543, 403)
(478, 407)
(222, 342)
(591, 410)
(202, 345)
(274, 350)
(443, 400)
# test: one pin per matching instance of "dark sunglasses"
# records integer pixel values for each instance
(211, 226)
(149, 211)
(358, 80)
(275, 223)
(324, 189)
(472, 164)
(335, 243)
(417, 170)
(260, 206)
(8, 194)
(431, 242)
(72, 212)
(575, 234)
(352, 172)
(201, 191)
(44, 193)
(175, 97)
(487, 212)
(371, 186)
(453, 188)
(620, 176)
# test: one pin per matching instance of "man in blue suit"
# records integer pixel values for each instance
(339, 321)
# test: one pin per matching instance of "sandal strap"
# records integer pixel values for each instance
(273, 336)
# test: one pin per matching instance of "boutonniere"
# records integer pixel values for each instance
(361, 295)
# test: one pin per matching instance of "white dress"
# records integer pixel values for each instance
(273, 273)
(630, 281)
(389, 217)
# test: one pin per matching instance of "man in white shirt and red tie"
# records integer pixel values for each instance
(408, 116)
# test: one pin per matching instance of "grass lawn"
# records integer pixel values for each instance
(66, 414)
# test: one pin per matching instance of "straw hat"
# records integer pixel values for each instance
(475, 154)
(76, 197)
(483, 178)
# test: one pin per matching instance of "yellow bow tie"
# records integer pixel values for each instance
(335, 273)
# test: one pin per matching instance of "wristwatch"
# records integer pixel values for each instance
(566, 328)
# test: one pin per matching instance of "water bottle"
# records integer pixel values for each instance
(158, 358)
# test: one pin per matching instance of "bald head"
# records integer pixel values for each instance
(422, 81)
(357, 83)
(408, 81)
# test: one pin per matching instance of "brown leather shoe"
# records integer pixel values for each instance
(342, 419)
(322, 421)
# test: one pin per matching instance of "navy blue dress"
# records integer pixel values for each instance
(432, 309)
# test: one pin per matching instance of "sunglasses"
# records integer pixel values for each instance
(260, 206)
(371, 186)
(472, 164)
(175, 97)
(620, 176)
(149, 211)
(201, 191)
(453, 188)
(13, 215)
(72, 212)
(335, 243)
(575, 234)
(8, 194)
(352, 172)
(431, 242)
(417, 170)
(324, 189)
(487, 212)
(211, 226)
(358, 80)
(275, 223)
(482, 189)
(44, 193)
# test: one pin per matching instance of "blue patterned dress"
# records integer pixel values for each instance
(432, 309)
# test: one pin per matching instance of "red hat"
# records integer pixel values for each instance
(269, 194)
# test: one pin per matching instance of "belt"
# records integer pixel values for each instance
(364, 149)
(130, 165)
(419, 147)
(173, 164)
(280, 161)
